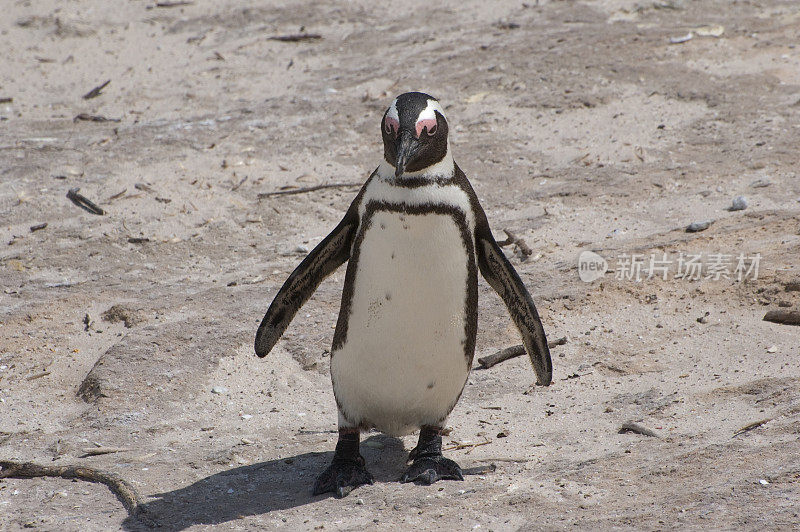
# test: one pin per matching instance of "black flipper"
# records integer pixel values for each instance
(323, 260)
(503, 278)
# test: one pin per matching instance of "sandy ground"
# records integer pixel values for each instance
(581, 127)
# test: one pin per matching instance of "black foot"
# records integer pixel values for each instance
(429, 469)
(342, 476)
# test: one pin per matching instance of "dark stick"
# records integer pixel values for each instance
(263, 195)
(94, 118)
(295, 37)
(751, 426)
(514, 239)
(513, 352)
(83, 202)
(95, 92)
(784, 317)
(637, 429)
(240, 183)
(6, 100)
(38, 227)
(126, 493)
(178, 3)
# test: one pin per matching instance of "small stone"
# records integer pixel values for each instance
(696, 227)
(703, 318)
(503, 433)
(219, 390)
(763, 482)
(739, 204)
(301, 249)
(360, 502)
(760, 183)
(772, 349)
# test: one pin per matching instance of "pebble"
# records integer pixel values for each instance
(772, 349)
(739, 204)
(760, 183)
(219, 390)
(360, 502)
(763, 482)
(696, 227)
(301, 249)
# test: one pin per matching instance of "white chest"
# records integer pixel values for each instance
(403, 362)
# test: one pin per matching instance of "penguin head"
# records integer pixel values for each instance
(414, 133)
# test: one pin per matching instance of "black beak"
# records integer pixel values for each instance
(407, 146)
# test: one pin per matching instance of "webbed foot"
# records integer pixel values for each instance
(429, 464)
(429, 469)
(342, 476)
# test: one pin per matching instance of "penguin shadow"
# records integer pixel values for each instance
(261, 488)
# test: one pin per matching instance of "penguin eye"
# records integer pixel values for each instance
(391, 126)
(431, 131)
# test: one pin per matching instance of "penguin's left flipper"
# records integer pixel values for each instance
(323, 260)
(503, 278)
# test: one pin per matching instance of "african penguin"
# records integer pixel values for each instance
(415, 237)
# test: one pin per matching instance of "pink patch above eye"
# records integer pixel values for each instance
(392, 125)
(428, 123)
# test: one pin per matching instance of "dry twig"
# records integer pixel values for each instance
(517, 241)
(637, 429)
(93, 118)
(97, 451)
(751, 426)
(263, 195)
(463, 445)
(178, 3)
(83, 202)
(513, 352)
(296, 37)
(95, 92)
(126, 493)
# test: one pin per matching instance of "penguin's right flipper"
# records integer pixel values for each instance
(505, 280)
(323, 260)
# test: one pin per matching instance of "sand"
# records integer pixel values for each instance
(581, 128)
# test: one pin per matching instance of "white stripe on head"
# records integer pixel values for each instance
(430, 111)
(392, 112)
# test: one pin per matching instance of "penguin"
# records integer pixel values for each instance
(415, 237)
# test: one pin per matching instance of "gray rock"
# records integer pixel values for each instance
(739, 204)
(219, 390)
(696, 227)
